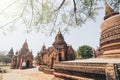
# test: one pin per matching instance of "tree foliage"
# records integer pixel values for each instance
(85, 51)
(48, 15)
(5, 59)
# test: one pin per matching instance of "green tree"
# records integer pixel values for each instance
(85, 52)
(5, 59)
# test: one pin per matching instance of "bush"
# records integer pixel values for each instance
(85, 52)
(5, 59)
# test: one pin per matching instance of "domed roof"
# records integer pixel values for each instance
(109, 11)
(59, 39)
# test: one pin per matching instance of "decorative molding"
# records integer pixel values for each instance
(97, 68)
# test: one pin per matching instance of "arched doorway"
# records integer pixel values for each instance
(27, 64)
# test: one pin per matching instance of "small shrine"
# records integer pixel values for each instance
(23, 58)
(59, 51)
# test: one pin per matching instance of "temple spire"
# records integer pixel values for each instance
(43, 47)
(59, 40)
(25, 45)
(59, 32)
(109, 11)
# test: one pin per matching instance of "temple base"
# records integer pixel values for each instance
(89, 69)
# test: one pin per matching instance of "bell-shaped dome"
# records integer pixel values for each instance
(109, 11)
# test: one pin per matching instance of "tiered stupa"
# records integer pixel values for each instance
(110, 35)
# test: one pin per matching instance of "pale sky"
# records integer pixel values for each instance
(88, 34)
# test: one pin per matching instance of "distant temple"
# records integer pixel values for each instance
(23, 58)
(60, 51)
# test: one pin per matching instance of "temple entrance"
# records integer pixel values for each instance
(52, 62)
(60, 57)
(27, 64)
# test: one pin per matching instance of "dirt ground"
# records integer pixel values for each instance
(27, 74)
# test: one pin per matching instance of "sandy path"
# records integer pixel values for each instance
(27, 74)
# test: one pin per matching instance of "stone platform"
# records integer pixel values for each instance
(46, 69)
(88, 69)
